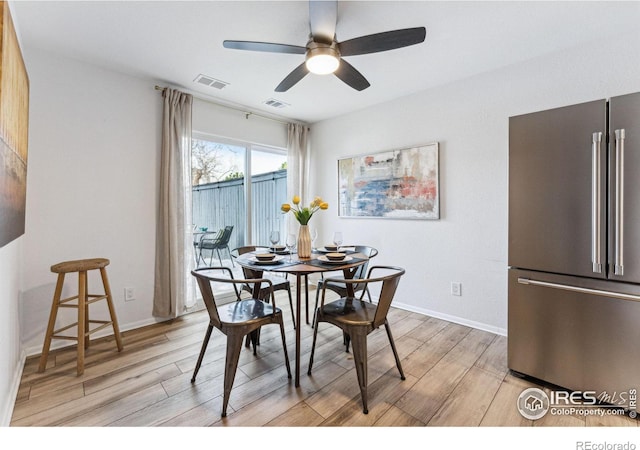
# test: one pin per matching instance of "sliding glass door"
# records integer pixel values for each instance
(238, 185)
(268, 193)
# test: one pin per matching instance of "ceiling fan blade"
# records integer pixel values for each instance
(347, 73)
(323, 17)
(381, 42)
(264, 47)
(296, 75)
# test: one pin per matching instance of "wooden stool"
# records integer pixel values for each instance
(84, 299)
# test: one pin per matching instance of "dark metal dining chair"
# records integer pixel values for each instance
(278, 283)
(341, 288)
(235, 320)
(357, 319)
(216, 243)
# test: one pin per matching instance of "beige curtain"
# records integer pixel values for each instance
(297, 168)
(173, 291)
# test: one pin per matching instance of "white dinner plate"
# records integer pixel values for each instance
(324, 259)
(275, 260)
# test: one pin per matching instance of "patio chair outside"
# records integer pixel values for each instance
(217, 243)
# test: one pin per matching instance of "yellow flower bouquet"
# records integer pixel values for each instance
(304, 214)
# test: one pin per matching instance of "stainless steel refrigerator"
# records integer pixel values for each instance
(574, 245)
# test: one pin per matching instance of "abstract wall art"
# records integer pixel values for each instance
(393, 184)
(14, 130)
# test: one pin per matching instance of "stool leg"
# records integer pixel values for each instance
(52, 322)
(82, 304)
(86, 311)
(112, 311)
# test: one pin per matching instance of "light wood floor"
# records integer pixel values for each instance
(455, 376)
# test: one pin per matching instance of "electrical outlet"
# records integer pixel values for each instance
(129, 294)
(456, 288)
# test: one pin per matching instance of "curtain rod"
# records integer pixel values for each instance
(246, 113)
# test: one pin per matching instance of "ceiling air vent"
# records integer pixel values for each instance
(210, 81)
(275, 103)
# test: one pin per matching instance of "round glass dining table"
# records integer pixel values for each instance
(302, 268)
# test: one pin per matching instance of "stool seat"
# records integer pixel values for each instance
(80, 265)
(81, 302)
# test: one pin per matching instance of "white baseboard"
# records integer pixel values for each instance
(5, 419)
(454, 319)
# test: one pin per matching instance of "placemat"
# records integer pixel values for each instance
(346, 251)
(281, 263)
(318, 263)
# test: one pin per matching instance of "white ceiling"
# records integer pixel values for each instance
(175, 41)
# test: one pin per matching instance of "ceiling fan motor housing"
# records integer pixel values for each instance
(322, 58)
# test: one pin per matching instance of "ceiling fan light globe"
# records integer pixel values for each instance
(322, 64)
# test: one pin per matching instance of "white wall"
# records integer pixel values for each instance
(215, 120)
(469, 119)
(94, 140)
(10, 355)
(93, 178)
(92, 182)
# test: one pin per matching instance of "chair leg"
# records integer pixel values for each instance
(254, 340)
(393, 347)
(315, 308)
(219, 256)
(199, 258)
(203, 349)
(313, 345)
(293, 315)
(211, 259)
(234, 345)
(359, 337)
(284, 345)
(52, 322)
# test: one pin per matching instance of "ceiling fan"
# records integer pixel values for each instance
(323, 53)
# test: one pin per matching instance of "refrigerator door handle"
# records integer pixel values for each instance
(596, 201)
(618, 263)
(567, 287)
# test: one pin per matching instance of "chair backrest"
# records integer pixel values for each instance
(370, 252)
(207, 240)
(387, 292)
(226, 235)
(247, 249)
(204, 277)
(204, 283)
(389, 282)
